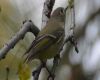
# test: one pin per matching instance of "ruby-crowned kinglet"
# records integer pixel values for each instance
(50, 39)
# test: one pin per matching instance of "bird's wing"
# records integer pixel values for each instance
(37, 40)
(41, 43)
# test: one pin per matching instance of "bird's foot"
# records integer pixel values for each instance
(51, 77)
(36, 73)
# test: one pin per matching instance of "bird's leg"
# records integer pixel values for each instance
(55, 64)
(51, 73)
(37, 71)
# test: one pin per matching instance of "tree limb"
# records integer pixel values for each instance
(47, 9)
(28, 26)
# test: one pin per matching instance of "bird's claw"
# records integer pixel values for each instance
(51, 77)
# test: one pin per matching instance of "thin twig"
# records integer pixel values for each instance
(7, 70)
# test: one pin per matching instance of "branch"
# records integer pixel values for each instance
(71, 36)
(28, 26)
(47, 9)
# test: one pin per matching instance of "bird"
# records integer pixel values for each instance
(49, 40)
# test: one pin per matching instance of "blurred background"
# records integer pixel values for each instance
(82, 66)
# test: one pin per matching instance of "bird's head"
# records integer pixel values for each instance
(59, 13)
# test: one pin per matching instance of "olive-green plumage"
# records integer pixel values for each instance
(49, 40)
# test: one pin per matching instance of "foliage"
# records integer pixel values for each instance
(24, 71)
